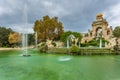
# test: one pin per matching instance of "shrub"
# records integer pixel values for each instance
(74, 49)
(116, 49)
(95, 43)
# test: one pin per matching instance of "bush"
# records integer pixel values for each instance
(95, 43)
(74, 49)
(116, 49)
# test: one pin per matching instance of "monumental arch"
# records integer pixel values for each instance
(99, 29)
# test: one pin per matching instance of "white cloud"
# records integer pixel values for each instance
(76, 15)
(1, 11)
(113, 15)
(10, 7)
(55, 9)
(22, 28)
(47, 4)
(5, 10)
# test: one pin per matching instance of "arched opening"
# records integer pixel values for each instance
(108, 32)
(85, 41)
(99, 32)
(90, 34)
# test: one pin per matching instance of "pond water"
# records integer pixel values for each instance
(13, 66)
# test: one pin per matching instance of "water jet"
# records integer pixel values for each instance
(25, 33)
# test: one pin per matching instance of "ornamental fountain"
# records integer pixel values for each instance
(25, 32)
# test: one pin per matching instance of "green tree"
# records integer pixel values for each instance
(48, 28)
(116, 32)
(4, 34)
(65, 35)
(31, 39)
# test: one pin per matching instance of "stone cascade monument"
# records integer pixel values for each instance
(99, 29)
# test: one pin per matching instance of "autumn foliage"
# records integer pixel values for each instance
(48, 28)
(14, 38)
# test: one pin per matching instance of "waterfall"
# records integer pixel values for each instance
(100, 43)
(67, 43)
(79, 44)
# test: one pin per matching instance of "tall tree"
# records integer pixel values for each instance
(31, 39)
(116, 32)
(48, 28)
(4, 33)
(65, 35)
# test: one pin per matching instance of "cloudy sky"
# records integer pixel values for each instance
(76, 15)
